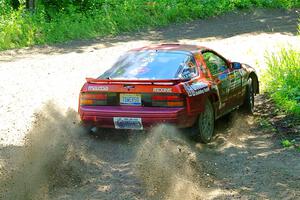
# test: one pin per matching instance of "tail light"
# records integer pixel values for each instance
(93, 99)
(167, 101)
(148, 99)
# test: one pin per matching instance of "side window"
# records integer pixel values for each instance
(215, 64)
(189, 69)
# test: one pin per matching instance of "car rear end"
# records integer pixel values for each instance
(143, 88)
(133, 104)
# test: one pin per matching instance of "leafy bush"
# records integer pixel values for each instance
(17, 29)
(63, 20)
(282, 79)
(286, 143)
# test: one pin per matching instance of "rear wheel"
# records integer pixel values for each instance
(206, 123)
(248, 105)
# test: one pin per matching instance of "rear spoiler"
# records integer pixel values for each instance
(136, 82)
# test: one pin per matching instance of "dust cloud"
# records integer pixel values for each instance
(232, 130)
(169, 167)
(48, 158)
(53, 157)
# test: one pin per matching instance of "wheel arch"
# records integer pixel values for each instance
(255, 82)
(213, 98)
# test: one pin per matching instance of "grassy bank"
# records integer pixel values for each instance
(282, 79)
(67, 20)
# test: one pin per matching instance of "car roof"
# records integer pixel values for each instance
(173, 47)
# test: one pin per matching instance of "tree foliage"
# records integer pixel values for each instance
(50, 21)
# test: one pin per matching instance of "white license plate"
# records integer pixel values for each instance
(130, 99)
(128, 123)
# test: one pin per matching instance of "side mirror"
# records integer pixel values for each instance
(236, 65)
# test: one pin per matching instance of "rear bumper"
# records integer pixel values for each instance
(102, 116)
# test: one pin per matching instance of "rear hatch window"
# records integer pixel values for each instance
(150, 64)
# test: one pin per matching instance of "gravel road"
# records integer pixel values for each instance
(46, 155)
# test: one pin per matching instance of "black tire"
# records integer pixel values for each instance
(206, 123)
(248, 106)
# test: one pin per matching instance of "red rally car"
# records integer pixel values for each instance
(183, 85)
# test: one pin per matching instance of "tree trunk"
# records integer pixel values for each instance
(31, 4)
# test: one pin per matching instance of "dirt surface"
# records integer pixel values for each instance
(46, 155)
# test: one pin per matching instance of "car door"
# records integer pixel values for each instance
(236, 77)
(219, 73)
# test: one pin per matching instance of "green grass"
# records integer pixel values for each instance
(290, 143)
(282, 79)
(66, 20)
(286, 143)
(265, 124)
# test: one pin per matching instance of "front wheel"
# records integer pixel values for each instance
(206, 123)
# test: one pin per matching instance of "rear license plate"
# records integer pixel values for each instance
(130, 99)
(128, 123)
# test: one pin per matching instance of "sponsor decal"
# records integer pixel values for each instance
(235, 80)
(243, 74)
(195, 88)
(166, 90)
(97, 88)
(231, 76)
(223, 76)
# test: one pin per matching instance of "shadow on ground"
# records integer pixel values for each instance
(247, 161)
(252, 21)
